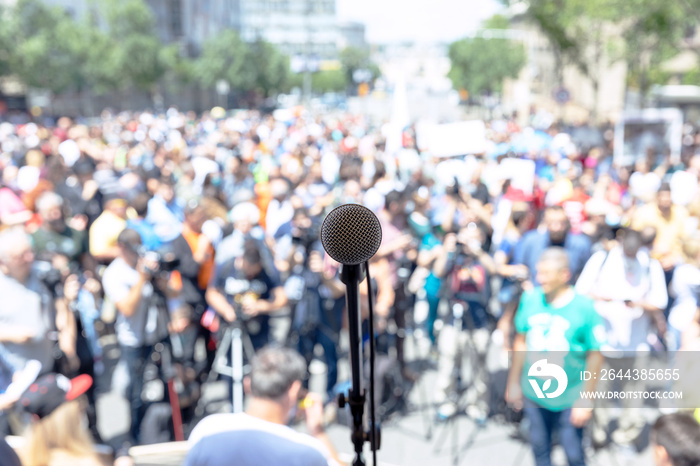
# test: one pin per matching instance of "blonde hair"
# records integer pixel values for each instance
(62, 430)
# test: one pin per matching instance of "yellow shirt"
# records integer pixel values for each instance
(104, 232)
(669, 232)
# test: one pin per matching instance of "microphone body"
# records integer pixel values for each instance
(351, 234)
(352, 275)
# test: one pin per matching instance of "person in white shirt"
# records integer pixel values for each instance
(685, 289)
(644, 183)
(629, 290)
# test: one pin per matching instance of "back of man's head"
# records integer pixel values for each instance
(140, 204)
(274, 370)
(129, 239)
(677, 440)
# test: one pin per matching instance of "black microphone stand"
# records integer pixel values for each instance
(352, 276)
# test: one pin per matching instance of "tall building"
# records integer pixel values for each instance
(192, 22)
(307, 28)
(297, 27)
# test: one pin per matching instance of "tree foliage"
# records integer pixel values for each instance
(114, 46)
(225, 56)
(480, 65)
(353, 59)
(44, 46)
(591, 34)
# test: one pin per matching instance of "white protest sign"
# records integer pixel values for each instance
(452, 139)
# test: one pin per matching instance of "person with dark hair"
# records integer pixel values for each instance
(676, 440)
(139, 206)
(260, 435)
(165, 211)
(557, 233)
(130, 283)
(629, 291)
(394, 247)
(670, 223)
(241, 289)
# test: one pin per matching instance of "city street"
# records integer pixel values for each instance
(409, 439)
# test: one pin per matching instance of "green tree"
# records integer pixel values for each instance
(653, 35)
(141, 57)
(329, 81)
(480, 64)
(353, 59)
(591, 34)
(271, 68)
(43, 46)
(225, 56)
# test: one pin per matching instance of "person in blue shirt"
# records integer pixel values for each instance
(556, 233)
(145, 229)
(165, 211)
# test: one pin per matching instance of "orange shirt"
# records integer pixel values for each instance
(207, 267)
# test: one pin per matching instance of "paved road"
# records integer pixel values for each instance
(407, 440)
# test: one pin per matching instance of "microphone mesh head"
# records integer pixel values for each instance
(351, 234)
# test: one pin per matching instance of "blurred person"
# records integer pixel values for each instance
(675, 440)
(78, 189)
(670, 223)
(238, 184)
(555, 231)
(684, 182)
(241, 289)
(12, 210)
(32, 319)
(314, 295)
(138, 222)
(520, 222)
(14, 380)
(105, 230)
(245, 218)
(685, 290)
(260, 435)
(57, 436)
(133, 284)
(394, 246)
(465, 267)
(280, 209)
(554, 318)
(54, 237)
(629, 291)
(429, 249)
(165, 211)
(644, 183)
(193, 254)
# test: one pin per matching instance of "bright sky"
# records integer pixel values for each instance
(421, 21)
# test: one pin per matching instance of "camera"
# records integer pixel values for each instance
(166, 260)
(47, 275)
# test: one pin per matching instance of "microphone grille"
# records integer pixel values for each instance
(351, 234)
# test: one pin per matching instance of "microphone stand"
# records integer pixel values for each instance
(351, 276)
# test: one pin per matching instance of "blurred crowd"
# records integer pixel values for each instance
(164, 230)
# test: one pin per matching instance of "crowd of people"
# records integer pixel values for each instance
(166, 229)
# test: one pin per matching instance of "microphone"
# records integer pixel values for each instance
(351, 234)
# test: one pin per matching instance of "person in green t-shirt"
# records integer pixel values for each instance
(559, 334)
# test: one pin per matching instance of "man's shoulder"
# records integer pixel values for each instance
(235, 430)
(531, 296)
(117, 269)
(532, 237)
(579, 240)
